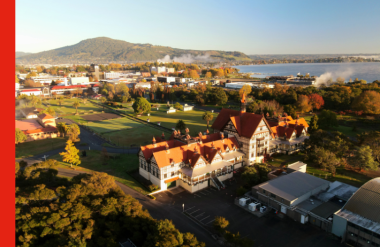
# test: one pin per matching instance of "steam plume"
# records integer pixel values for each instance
(186, 58)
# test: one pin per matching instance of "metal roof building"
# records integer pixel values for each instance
(359, 219)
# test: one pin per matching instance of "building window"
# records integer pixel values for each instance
(165, 175)
(273, 195)
(172, 165)
(261, 128)
(172, 174)
(141, 165)
(264, 192)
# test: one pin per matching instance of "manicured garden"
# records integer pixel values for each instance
(28, 149)
(118, 167)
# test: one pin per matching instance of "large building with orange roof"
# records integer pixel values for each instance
(193, 163)
(260, 136)
(42, 128)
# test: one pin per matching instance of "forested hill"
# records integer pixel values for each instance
(103, 50)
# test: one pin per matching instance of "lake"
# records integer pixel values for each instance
(364, 71)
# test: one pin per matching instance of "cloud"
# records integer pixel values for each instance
(186, 58)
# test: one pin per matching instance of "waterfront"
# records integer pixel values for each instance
(366, 71)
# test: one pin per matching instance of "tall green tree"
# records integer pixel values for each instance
(76, 104)
(313, 126)
(363, 159)
(327, 119)
(60, 100)
(71, 155)
(180, 125)
(220, 96)
(73, 131)
(20, 136)
(141, 105)
(62, 127)
(207, 116)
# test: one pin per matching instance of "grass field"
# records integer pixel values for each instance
(32, 148)
(139, 136)
(193, 119)
(117, 168)
(346, 130)
(113, 124)
(67, 106)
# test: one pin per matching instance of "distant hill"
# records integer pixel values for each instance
(21, 53)
(103, 49)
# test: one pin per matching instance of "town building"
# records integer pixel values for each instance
(170, 70)
(37, 129)
(67, 89)
(79, 81)
(358, 222)
(259, 137)
(193, 163)
(166, 79)
(32, 91)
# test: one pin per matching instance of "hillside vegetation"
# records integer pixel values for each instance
(105, 49)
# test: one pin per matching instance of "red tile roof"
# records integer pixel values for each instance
(42, 130)
(68, 87)
(171, 180)
(245, 123)
(45, 116)
(31, 90)
(149, 149)
(185, 153)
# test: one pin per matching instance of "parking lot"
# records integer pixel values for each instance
(269, 230)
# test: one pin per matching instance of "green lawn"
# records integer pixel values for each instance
(117, 168)
(193, 119)
(113, 124)
(138, 136)
(346, 130)
(67, 106)
(32, 148)
(288, 159)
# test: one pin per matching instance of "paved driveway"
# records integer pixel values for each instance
(269, 230)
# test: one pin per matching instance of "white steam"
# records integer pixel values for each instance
(328, 77)
(186, 58)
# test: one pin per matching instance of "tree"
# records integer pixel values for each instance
(122, 89)
(84, 101)
(327, 119)
(61, 126)
(220, 96)
(71, 155)
(194, 74)
(207, 116)
(73, 131)
(250, 176)
(103, 100)
(50, 110)
(35, 101)
(141, 105)
(20, 136)
(246, 89)
(220, 223)
(363, 159)
(60, 100)
(303, 103)
(326, 159)
(76, 104)
(313, 126)
(316, 101)
(262, 170)
(17, 80)
(178, 106)
(208, 75)
(180, 125)
(371, 139)
(368, 102)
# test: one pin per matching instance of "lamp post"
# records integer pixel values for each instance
(183, 208)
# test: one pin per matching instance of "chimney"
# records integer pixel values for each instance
(212, 145)
(243, 104)
(207, 132)
(154, 141)
(163, 136)
(167, 148)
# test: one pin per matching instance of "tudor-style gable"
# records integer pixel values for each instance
(230, 127)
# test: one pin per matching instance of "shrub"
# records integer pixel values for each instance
(152, 187)
(152, 197)
(241, 191)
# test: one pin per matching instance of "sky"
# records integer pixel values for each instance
(252, 27)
